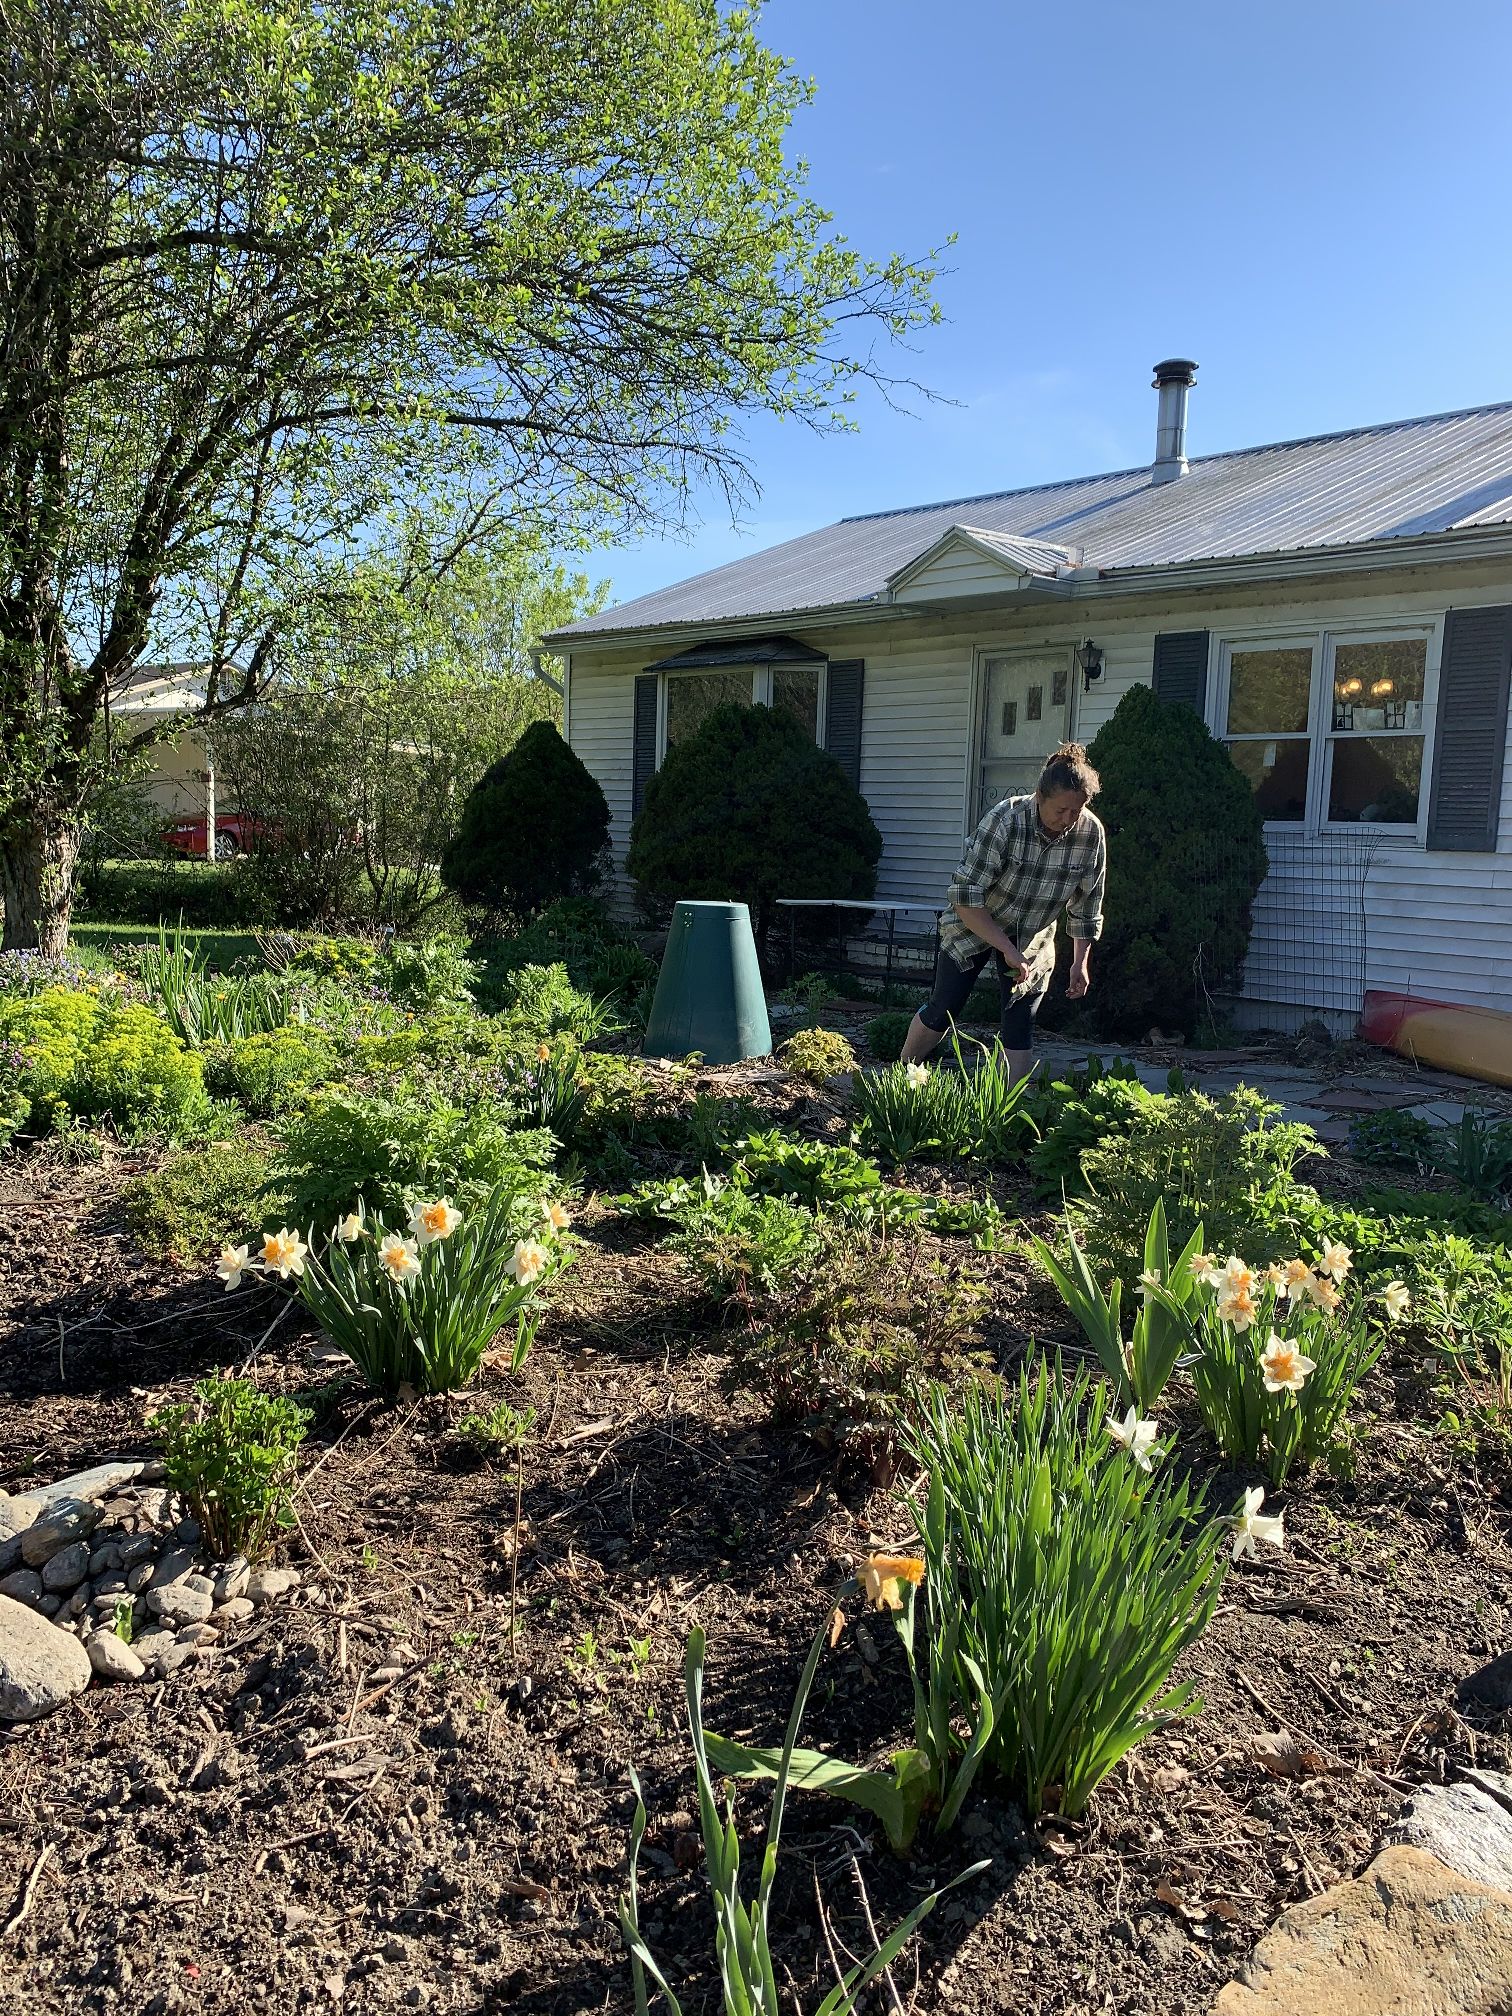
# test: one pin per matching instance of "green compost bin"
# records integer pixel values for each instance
(709, 997)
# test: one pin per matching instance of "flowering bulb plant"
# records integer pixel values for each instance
(418, 1303)
(1280, 1352)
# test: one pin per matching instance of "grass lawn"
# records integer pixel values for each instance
(220, 949)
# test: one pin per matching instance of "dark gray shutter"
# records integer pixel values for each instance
(1181, 662)
(643, 740)
(842, 715)
(1470, 738)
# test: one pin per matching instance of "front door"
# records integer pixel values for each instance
(1026, 715)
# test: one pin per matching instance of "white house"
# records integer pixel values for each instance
(1339, 609)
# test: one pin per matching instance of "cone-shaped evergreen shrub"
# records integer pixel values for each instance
(534, 828)
(747, 810)
(1185, 858)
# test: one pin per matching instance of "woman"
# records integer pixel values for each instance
(1030, 858)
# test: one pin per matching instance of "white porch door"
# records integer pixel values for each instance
(1026, 715)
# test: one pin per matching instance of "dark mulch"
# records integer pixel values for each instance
(218, 1842)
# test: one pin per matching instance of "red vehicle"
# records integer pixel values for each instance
(234, 834)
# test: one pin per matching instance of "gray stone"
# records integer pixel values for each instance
(80, 1600)
(16, 1515)
(235, 1610)
(187, 1532)
(136, 1549)
(110, 1585)
(266, 1585)
(233, 1579)
(155, 1505)
(40, 1666)
(173, 1567)
(1468, 1826)
(175, 1657)
(179, 1604)
(112, 1658)
(96, 1483)
(105, 1559)
(202, 1583)
(24, 1584)
(50, 1605)
(148, 1645)
(64, 1523)
(67, 1568)
(199, 1634)
(139, 1576)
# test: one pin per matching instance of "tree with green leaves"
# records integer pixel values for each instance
(284, 286)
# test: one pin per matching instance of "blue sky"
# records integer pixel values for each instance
(1311, 200)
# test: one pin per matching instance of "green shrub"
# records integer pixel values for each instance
(386, 1149)
(817, 1054)
(1109, 1109)
(95, 1057)
(544, 1000)
(534, 828)
(750, 809)
(820, 1174)
(852, 1331)
(1222, 1163)
(1078, 1579)
(232, 1452)
(886, 1035)
(1185, 859)
(1393, 1140)
(742, 1245)
(200, 1201)
(209, 895)
(427, 973)
(421, 1311)
(270, 1073)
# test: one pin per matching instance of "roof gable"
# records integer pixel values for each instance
(968, 560)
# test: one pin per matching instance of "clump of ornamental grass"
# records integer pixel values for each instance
(415, 1306)
(742, 1929)
(1079, 1572)
(1278, 1353)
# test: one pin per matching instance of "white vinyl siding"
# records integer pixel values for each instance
(1436, 924)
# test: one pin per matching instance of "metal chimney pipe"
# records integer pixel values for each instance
(1173, 381)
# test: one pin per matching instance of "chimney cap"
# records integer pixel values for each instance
(1175, 371)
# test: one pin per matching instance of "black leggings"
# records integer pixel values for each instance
(952, 985)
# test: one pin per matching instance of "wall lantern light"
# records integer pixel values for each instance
(1090, 658)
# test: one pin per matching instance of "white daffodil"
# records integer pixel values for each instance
(1285, 1367)
(283, 1253)
(1335, 1261)
(1135, 1436)
(1204, 1268)
(1150, 1280)
(556, 1217)
(1322, 1292)
(1251, 1525)
(1295, 1276)
(1397, 1300)
(1238, 1310)
(351, 1227)
(1235, 1277)
(529, 1261)
(234, 1262)
(918, 1074)
(429, 1222)
(399, 1257)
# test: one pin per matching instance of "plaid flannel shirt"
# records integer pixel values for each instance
(1025, 881)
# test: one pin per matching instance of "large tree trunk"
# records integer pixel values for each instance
(38, 855)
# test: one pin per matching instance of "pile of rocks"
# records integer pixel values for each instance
(103, 1573)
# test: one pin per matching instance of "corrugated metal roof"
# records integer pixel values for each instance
(1408, 478)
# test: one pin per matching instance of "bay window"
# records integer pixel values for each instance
(1329, 729)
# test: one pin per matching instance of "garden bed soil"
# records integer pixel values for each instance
(273, 1829)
